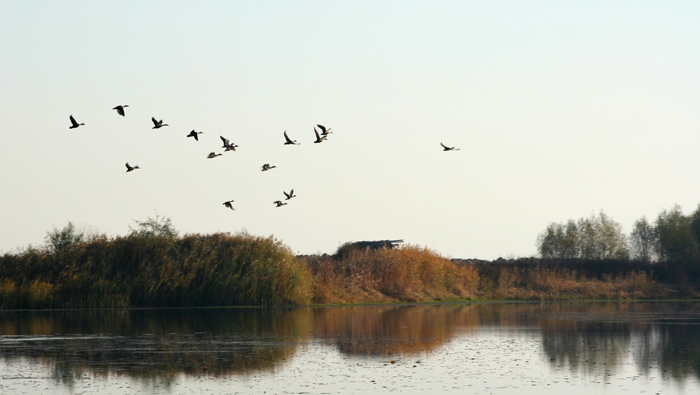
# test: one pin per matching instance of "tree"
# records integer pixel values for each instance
(597, 237)
(64, 240)
(158, 226)
(643, 241)
(676, 241)
(559, 241)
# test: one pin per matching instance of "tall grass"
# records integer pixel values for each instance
(165, 270)
(404, 274)
(195, 270)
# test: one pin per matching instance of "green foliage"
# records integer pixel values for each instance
(676, 240)
(154, 227)
(643, 241)
(597, 237)
(64, 240)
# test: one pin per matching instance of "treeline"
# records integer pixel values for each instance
(672, 240)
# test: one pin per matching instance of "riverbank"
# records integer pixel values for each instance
(233, 270)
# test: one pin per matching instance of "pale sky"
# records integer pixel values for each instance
(561, 109)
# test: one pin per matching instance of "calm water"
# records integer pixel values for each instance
(485, 348)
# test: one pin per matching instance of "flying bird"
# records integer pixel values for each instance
(446, 148)
(158, 124)
(324, 131)
(120, 109)
(194, 134)
(279, 203)
(213, 155)
(74, 124)
(130, 168)
(289, 195)
(227, 144)
(228, 204)
(319, 139)
(289, 141)
(267, 167)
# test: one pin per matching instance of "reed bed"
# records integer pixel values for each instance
(407, 274)
(165, 270)
(156, 271)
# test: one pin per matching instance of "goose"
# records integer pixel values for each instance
(279, 203)
(130, 168)
(74, 124)
(158, 124)
(231, 147)
(213, 155)
(228, 204)
(324, 131)
(120, 109)
(289, 141)
(446, 148)
(289, 195)
(194, 134)
(267, 167)
(319, 139)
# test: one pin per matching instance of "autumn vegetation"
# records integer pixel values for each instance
(153, 266)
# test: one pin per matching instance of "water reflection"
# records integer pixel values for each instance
(590, 338)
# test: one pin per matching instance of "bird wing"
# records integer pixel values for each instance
(72, 120)
(224, 139)
(444, 146)
(286, 194)
(323, 128)
(154, 121)
(287, 138)
(127, 166)
(317, 136)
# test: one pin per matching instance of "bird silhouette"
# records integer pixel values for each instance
(130, 168)
(446, 148)
(319, 139)
(158, 124)
(279, 203)
(289, 195)
(194, 134)
(324, 131)
(74, 124)
(213, 155)
(289, 141)
(120, 109)
(228, 204)
(267, 167)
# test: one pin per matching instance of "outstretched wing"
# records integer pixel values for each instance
(287, 138)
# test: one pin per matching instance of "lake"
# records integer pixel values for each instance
(479, 348)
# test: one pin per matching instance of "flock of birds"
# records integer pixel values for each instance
(229, 146)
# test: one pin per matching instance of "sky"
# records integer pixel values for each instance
(561, 110)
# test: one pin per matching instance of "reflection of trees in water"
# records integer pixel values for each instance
(672, 343)
(597, 338)
(385, 330)
(158, 345)
(153, 344)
